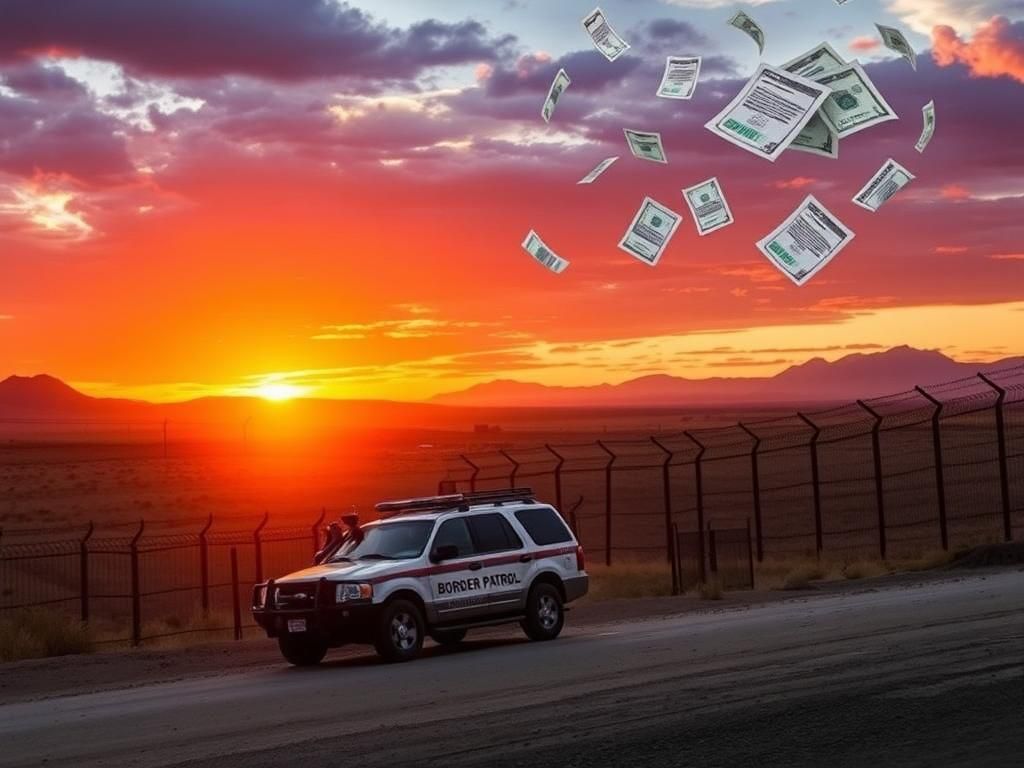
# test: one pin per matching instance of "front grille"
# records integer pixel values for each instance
(295, 596)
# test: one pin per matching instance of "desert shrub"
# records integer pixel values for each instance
(864, 569)
(711, 589)
(629, 579)
(37, 633)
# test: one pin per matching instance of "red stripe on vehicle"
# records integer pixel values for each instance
(433, 570)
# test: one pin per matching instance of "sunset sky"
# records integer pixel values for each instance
(205, 196)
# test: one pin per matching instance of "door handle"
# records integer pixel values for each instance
(525, 558)
(475, 566)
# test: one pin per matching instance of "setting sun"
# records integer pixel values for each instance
(277, 391)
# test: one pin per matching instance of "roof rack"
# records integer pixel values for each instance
(460, 501)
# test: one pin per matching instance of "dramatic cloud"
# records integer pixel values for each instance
(995, 50)
(961, 15)
(264, 38)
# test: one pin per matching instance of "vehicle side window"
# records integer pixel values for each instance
(455, 532)
(492, 533)
(544, 526)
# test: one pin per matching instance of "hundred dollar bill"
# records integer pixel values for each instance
(650, 231)
(928, 110)
(680, 78)
(770, 112)
(806, 241)
(744, 23)
(536, 248)
(890, 179)
(708, 205)
(855, 103)
(646, 146)
(605, 40)
(558, 86)
(817, 138)
(601, 168)
(819, 59)
(895, 41)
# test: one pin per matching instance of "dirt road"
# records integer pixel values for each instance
(930, 674)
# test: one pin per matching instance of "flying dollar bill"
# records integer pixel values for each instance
(928, 111)
(819, 59)
(855, 104)
(805, 242)
(708, 205)
(680, 78)
(744, 23)
(817, 138)
(650, 231)
(604, 37)
(558, 86)
(890, 179)
(895, 41)
(646, 146)
(601, 168)
(543, 255)
(769, 112)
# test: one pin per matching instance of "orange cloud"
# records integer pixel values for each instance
(798, 182)
(996, 50)
(950, 250)
(955, 192)
(864, 44)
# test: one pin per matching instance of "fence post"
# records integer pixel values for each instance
(235, 601)
(315, 530)
(700, 500)
(83, 572)
(674, 552)
(712, 550)
(940, 484)
(750, 556)
(755, 490)
(815, 482)
(558, 482)
(515, 467)
(1004, 470)
(204, 566)
(133, 551)
(876, 449)
(476, 471)
(258, 547)
(607, 502)
(666, 494)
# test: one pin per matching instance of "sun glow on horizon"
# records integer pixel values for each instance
(277, 391)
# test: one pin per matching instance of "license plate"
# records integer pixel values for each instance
(296, 625)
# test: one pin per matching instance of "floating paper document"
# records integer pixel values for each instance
(646, 146)
(536, 248)
(708, 205)
(744, 23)
(603, 36)
(601, 168)
(558, 86)
(680, 78)
(650, 231)
(890, 179)
(855, 104)
(806, 241)
(928, 111)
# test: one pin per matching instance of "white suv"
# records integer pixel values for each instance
(436, 566)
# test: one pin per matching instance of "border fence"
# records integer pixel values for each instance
(890, 477)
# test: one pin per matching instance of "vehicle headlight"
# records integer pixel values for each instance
(344, 593)
(260, 599)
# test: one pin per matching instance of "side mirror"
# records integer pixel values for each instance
(444, 552)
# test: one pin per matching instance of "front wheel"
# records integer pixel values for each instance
(302, 650)
(400, 631)
(545, 615)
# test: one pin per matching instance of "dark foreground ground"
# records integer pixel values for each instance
(928, 673)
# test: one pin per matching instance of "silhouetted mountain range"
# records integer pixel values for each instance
(852, 377)
(817, 380)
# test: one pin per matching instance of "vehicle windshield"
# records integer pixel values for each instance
(402, 540)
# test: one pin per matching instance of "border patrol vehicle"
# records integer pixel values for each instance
(435, 566)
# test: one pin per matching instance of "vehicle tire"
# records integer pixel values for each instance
(545, 615)
(302, 650)
(448, 637)
(400, 631)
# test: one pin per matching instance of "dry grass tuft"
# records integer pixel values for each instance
(630, 579)
(37, 633)
(711, 590)
(865, 569)
(802, 576)
(935, 558)
(175, 631)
